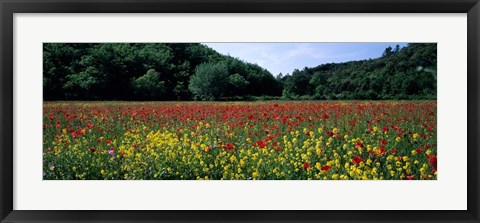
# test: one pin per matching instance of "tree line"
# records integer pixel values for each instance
(400, 73)
(193, 71)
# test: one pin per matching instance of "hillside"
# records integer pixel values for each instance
(193, 71)
(406, 73)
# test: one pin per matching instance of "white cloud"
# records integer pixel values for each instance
(285, 57)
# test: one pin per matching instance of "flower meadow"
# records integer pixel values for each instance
(274, 140)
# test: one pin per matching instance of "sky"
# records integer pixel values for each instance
(285, 57)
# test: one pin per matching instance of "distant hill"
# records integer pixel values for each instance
(406, 73)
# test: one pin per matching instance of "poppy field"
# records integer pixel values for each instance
(272, 140)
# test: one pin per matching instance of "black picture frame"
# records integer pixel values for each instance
(9, 7)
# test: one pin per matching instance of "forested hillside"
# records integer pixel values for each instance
(406, 73)
(144, 71)
(192, 71)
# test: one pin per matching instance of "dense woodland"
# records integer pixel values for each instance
(192, 71)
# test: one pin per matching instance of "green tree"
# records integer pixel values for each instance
(81, 85)
(388, 52)
(149, 86)
(60, 60)
(236, 84)
(209, 81)
(297, 84)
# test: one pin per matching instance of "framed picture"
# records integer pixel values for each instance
(239, 111)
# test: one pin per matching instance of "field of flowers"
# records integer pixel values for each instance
(240, 140)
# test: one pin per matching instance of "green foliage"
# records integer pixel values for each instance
(297, 84)
(209, 81)
(407, 73)
(149, 86)
(164, 71)
(59, 60)
(85, 81)
(118, 71)
(237, 85)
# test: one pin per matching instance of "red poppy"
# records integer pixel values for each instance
(307, 134)
(411, 177)
(229, 146)
(329, 133)
(382, 151)
(306, 165)
(419, 150)
(394, 151)
(326, 168)
(359, 145)
(278, 149)
(395, 127)
(383, 142)
(385, 129)
(432, 159)
(357, 160)
(325, 116)
(78, 133)
(108, 141)
(354, 122)
(268, 138)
